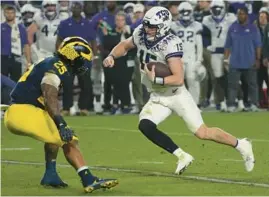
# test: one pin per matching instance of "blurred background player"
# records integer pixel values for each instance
(45, 27)
(35, 112)
(14, 46)
(218, 24)
(27, 14)
(18, 6)
(189, 31)
(64, 10)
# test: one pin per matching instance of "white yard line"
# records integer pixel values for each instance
(125, 130)
(150, 173)
(232, 160)
(137, 131)
(15, 149)
(150, 162)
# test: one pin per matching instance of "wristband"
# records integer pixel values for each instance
(112, 56)
(59, 121)
(226, 60)
(159, 80)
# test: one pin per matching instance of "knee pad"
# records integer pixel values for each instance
(146, 126)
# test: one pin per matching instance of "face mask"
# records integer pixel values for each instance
(50, 13)
(64, 9)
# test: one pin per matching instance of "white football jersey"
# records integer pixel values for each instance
(188, 37)
(47, 32)
(169, 46)
(219, 30)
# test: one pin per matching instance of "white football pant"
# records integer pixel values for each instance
(174, 99)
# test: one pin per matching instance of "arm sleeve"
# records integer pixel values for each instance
(51, 79)
(174, 49)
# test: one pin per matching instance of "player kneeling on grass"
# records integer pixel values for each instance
(154, 42)
(35, 111)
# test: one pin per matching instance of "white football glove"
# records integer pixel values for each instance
(200, 73)
(211, 48)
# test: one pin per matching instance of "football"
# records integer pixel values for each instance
(161, 69)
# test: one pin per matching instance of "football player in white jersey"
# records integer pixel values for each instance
(189, 31)
(45, 26)
(218, 24)
(155, 42)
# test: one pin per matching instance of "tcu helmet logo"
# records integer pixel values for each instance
(164, 14)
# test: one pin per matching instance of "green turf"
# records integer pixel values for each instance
(113, 141)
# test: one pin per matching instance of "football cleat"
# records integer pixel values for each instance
(101, 184)
(183, 162)
(245, 148)
(53, 180)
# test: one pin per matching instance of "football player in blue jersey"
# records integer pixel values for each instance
(35, 111)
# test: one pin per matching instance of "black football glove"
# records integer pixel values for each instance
(66, 133)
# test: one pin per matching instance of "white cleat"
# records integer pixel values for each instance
(241, 106)
(223, 106)
(245, 148)
(183, 162)
(98, 108)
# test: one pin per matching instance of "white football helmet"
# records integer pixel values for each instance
(50, 8)
(160, 18)
(217, 9)
(28, 8)
(185, 11)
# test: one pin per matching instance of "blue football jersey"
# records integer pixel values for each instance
(28, 89)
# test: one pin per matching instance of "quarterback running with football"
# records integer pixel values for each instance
(154, 42)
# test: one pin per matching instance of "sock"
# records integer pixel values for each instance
(86, 176)
(51, 165)
(178, 152)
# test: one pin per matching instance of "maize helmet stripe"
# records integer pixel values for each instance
(69, 48)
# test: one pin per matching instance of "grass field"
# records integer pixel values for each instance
(115, 148)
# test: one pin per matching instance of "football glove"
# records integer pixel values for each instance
(65, 132)
(200, 73)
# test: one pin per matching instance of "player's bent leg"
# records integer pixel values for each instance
(151, 115)
(244, 146)
(89, 182)
(149, 129)
(51, 177)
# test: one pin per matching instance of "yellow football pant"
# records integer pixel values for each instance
(28, 120)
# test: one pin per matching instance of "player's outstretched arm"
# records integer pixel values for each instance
(176, 66)
(49, 86)
(119, 50)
